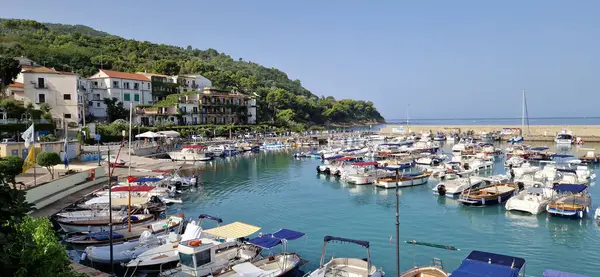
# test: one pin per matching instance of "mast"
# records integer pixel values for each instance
(407, 121)
(523, 114)
(129, 174)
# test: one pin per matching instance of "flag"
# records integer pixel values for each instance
(29, 136)
(29, 161)
(66, 158)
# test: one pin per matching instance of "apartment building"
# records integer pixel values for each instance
(125, 87)
(190, 82)
(162, 86)
(60, 90)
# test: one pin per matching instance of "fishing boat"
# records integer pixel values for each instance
(167, 256)
(488, 195)
(352, 267)
(572, 201)
(480, 263)
(100, 223)
(274, 265)
(191, 153)
(125, 252)
(564, 138)
(404, 180)
(531, 200)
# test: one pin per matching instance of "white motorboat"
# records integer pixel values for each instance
(514, 161)
(191, 153)
(525, 169)
(455, 186)
(564, 138)
(99, 224)
(362, 173)
(597, 214)
(163, 257)
(462, 145)
(532, 200)
(350, 267)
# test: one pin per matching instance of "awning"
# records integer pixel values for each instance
(233, 231)
(147, 180)
(268, 241)
(149, 135)
(340, 239)
(288, 234)
(573, 188)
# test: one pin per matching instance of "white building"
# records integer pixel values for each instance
(191, 82)
(60, 90)
(125, 87)
(252, 111)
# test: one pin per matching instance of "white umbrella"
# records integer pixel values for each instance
(148, 135)
(170, 134)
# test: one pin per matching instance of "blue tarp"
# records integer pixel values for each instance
(556, 273)
(265, 241)
(288, 234)
(203, 216)
(484, 264)
(359, 242)
(573, 188)
(400, 166)
(105, 235)
(147, 180)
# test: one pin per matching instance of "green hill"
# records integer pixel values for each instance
(83, 50)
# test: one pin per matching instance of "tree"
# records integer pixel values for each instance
(48, 160)
(286, 117)
(45, 107)
(115, 110)
(167, 67)
(9, 70)
(10, 166)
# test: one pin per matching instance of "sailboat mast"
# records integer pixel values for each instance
(523, 113)
(128, 182)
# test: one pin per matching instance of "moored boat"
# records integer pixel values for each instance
(480, 263)
(404, 180)
(353, 267)
(488, 195)
(532, 200)
(570, 200)
(191, 153)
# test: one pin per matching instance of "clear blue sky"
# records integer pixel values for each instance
(447, 59)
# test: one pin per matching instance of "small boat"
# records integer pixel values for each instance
(424, 271)
(191, 153)
(455, 185)
(556, 273)
(516, 139)
(480, 263)
(488, 195)
(352, 267)
(572, 201)
(439, 137)
(274, 265)
(98, 224)
(532, 200)
(404, 180)
(564, 138)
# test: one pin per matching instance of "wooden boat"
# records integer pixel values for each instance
(572, 201)
(404, 180)
(488, 195)
(424, 271)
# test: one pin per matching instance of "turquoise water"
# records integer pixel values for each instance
(272, 190)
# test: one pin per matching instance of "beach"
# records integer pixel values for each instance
(533, 131)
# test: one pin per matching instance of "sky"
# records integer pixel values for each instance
(443, 59)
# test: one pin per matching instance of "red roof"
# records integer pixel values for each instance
(125, 75)
(16, 85)
(133, 188)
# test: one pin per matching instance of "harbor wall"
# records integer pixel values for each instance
(46, 194)
(584, 131)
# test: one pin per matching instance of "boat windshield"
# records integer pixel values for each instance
(564, 136)
(186, 260)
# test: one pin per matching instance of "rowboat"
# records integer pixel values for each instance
(570, 200)
(488, 195)
(404, 180)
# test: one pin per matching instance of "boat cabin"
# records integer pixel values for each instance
(195, 255)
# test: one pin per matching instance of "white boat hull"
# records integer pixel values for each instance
(405, 183)
(190, 157)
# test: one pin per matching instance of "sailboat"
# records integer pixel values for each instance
(519, 138)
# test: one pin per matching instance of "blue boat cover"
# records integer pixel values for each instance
(265, 241)
(288, 234)
(389, 144)
(104, 235)
(359, 242)
(203, 216)
(351, 150)
(147, 180)
(556, 273)
(484, 264)
(573, 188)
(561, 156)
(400, 166)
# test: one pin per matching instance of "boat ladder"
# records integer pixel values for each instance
(437, 262)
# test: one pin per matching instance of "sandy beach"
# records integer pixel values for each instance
(584, 131)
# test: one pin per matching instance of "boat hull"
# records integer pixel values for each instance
(526, 206)
(391, 183)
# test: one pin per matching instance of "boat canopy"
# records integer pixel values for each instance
(399, 166)
(390, 144)
(233, 231)
(147, 180)
(133, 188)
(480, 263)
(268, 241)
(340, 239)
(573, 188)
(365, 164)
(556, 273)
(351, 150)
(105, 235)
(205, 216)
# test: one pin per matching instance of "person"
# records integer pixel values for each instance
(512, 172)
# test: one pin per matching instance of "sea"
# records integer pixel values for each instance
(501, 121)
(273, 190)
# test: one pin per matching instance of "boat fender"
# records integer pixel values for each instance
(580, 214)
(83, 256)
(482, 201)
(587, 209)
(499, 199)
(196, 242)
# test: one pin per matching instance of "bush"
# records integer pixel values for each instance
(46, 138)
(48, 160)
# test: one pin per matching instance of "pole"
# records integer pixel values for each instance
(33, 149)
(129, 202)
(98, 142)
(397, 226)
(110, 230)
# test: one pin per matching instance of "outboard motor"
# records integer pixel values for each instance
(441, 189)
(327, 171)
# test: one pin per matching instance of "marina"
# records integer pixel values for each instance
(278, 187)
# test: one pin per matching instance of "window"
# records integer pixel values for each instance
(202, 258)
(136, 86)
(95, 84)
(148, 85)
(186, 259)
(41, 83)
(136, 97)
(66, 97)
(41, 98)
(67, 115)
(115, 84)
(126, 85)
(126, 97)
(98, 104)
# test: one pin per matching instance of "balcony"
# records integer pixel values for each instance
(43, 86)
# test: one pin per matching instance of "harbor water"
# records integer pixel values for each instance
(273, 190)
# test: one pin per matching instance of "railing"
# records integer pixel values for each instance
(44, 86)
(23, 121)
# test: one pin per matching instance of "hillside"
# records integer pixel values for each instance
(83, 50)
